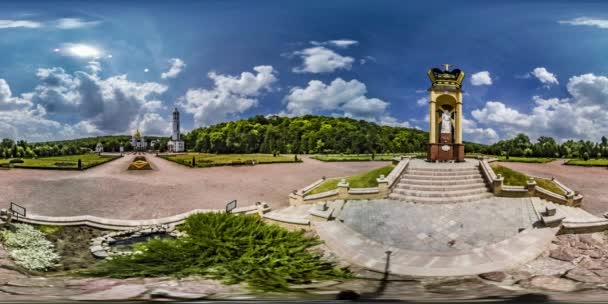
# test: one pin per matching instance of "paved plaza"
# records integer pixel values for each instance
(111, 191)
(439, 227)
(592, 182)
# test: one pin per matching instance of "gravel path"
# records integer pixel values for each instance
(110, 190)
(592, 182)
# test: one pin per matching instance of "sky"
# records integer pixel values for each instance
(78, 69)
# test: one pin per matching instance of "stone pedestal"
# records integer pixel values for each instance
(445, 152)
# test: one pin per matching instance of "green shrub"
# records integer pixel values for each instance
(16, 161)
(585, 156)
(29, 248)
(233, 248)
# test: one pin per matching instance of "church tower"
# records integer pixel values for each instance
(175, 133)
(445, 115)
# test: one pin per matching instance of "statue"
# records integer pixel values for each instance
(446, 122)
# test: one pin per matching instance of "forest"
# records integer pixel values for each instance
(309, 134)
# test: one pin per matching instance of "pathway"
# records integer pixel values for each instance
(592, 182)
(110, 190)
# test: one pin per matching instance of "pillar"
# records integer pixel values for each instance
(458, 133)
(433, 122)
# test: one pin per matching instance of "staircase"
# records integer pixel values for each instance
(426, 182)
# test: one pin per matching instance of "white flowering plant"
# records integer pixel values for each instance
(29, 247)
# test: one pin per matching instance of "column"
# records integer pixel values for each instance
(458, 123)
(432, 122)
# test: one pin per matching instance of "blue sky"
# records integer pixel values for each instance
(71, 70)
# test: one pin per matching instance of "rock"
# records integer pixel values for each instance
(602, 273)
(175, 295)
(120, 292)
(596, 254)
(102, 254)
(591, 264)
(550, 283)
(495, 276)
(563, 254)
(583, 275)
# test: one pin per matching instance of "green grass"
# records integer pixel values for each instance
(355, 157)
(602, 162)
(210, 160)
(70, 161)
(233, 248)
(536, 160)
(514, 178)
(362, 180)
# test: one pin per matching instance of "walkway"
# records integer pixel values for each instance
(592, 182)
(110, 190)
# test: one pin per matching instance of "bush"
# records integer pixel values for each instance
(233, 248)
(586, 156)
(29, 248)
(16, 161)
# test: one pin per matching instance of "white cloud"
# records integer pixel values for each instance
(322, 60)
(545, 77)
(177, 65)
(230, 95)
(580, 116)
(153, 124)
(587, 21)
(10, 102)
(74, 23)
(474, 133)
(422, 101)
(342, 43)
(481, 78)
(340, 98)
(4, 24)
(80, 50)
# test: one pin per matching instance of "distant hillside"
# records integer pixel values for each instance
(110, 142)
(306, 134)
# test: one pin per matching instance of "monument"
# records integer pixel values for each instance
(176, 144)
(138, 142)
(445, 110)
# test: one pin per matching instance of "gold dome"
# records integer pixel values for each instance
(137, 134)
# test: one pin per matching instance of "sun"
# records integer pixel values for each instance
(84, 51)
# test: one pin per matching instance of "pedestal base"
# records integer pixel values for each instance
(445, 152)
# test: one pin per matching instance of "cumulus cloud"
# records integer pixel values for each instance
(230, 95)
(74, 23)
(545, 77)
(320, 59)
(472, 132)
(340, 97)
(587, 21)
(342, 43)
(5, 24)
(177, 65)
(422, 101)
(10, 102)
(481, 78)
(579, 116)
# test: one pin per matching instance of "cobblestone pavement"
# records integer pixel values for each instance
(592, 182)
(439, 227)
(110, 190)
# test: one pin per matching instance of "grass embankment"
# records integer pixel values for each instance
(66, 162)
(362, 180)
(514, 178)
(355, 157)
(601, 162)
(516, 159)
(210, 160)
(228, 247)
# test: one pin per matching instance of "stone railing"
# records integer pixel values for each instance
(118, 224)
(344, 192)
(496, 183)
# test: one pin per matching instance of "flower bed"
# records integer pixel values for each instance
(140, 163)
(29, 247)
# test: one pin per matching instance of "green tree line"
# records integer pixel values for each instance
(547, 146)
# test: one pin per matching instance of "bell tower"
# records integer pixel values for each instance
(445, 115)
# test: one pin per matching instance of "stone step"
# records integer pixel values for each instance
(433, 187)
(446, 194)
(431, 177)
(443, 169)
(442, 172)
(440, 200)
(438, 182)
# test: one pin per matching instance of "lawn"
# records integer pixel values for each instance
(66, 162)
(355, 157)
(514, 178)
(601, 162)
(362, 180)
(517, 159)
(210, 160)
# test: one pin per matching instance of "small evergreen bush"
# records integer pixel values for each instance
(16, 161)
(29, 248)
(234, 248)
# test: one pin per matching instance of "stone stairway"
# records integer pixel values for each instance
(426, 182)
(573, 218)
